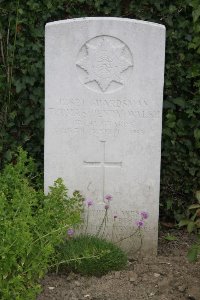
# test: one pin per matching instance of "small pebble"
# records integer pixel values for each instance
(51, 287)
(165, 283)
(133, 276)
(77, 283)
(117, 275)
(71, 276)
(182, 288)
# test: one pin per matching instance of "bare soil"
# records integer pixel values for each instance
(168, 276)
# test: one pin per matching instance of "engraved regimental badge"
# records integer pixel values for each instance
(104, 64)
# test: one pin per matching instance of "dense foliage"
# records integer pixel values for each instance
(31, 227)
(90, 255)
(22, 82)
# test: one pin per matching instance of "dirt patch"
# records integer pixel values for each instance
(168, 276)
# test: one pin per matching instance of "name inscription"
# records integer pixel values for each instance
(102, 118)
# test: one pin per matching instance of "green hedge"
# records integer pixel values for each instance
(22, 82)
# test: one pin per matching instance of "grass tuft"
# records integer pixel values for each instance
(89, 255)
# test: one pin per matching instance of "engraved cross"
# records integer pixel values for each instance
(103, 164)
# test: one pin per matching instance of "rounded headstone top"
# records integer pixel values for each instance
(105, 19)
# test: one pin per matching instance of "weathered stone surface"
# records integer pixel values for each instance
(103, 118)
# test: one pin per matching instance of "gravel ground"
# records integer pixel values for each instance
(168, 276)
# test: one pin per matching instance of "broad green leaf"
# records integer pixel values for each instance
(170, 237)
(190, 226)
(193, 206)
(193, 217)
(192, 254)
(183, 222)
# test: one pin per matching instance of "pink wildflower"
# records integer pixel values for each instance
(108, 197)
(107, 206)
(140, 224)
(70, 232)
(89, 202)
(144, 215)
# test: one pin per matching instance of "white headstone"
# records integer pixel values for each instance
(103, 119)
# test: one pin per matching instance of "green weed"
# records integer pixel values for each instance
(31, 226)
(90, 255)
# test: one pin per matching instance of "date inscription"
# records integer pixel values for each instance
(102, 118)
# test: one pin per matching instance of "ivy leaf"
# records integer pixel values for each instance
(49, 5)
(19, 86)
(197, 134)
(196, 14)
(8, 155)
(20, 11)
(180, 102)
